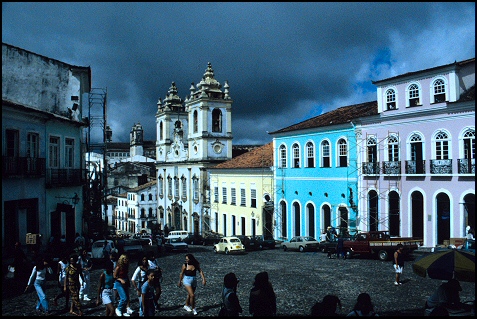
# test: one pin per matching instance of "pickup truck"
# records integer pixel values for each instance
(380, 244)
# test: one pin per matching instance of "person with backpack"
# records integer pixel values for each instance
(262, 301)
(230, 303)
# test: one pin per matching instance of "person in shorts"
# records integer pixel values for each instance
(105, 289)
(398, 263)
(188, 279)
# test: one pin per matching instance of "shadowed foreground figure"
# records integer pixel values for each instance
(327, 307)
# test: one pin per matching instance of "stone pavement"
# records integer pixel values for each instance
(299, 280)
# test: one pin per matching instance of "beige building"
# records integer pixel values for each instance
(241, 192)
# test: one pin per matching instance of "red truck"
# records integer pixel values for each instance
(380, 244)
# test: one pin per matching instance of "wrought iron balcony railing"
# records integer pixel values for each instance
(65, 177)
(415, 167)
(23, 166)
(370, 168)
(441, 166)
(466, 166)
(392, 167)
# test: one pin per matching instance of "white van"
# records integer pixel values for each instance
(178, 233)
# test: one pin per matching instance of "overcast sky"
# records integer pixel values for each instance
(284, 62)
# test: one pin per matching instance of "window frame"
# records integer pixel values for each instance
(54, 151)
(282, 153)
(325, 147)
(438, 97)
(413, 95)
(310, 154)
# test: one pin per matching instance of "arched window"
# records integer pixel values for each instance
(439, 89)
(442, 145)
(413, 94)
(195, 120)
(184, 187)
(416, 163)
(283, 157)
(390, 99)
(310, 154)
(150, 196)
(310, 209)
(393, 148)
(325, 154)
(467, 161)
(150, 212)
(216, 120)
(176, 188)
(342, 153)
(161, 131)
(142, 197)
(296, 155)
(161, 186)
(371, 150)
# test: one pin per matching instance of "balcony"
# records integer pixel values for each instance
(441, 166)
(393, 167)
(415, 167)
(466, 166)
(23, 166)
(65, 177)
(371, 168)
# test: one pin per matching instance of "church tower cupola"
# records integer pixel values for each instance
(136, 140)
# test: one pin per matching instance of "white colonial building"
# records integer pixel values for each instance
(192, 136)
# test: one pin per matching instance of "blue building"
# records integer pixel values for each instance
(316, 172)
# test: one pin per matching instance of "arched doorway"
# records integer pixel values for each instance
(469, 211)
(373, 210)
(443, 217)
(311, 219)
(394, 214)
(177, 219)
(283, 214)
(417, 213)
(343, 222)
(296, 214)
(326, 217)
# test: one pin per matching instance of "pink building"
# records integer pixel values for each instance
(417, 156)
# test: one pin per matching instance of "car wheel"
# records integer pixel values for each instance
(383, 255)
(301, 249)
(226, 251)
(215, 249)
(284, 248)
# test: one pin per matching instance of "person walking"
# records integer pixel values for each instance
(188, 278)
(107, 249)
(363, 307)
(230, 300)
(86, 265)
(105, 289)
(121, 284)
(139, 278)
(398, 263)
(61, 273)
(154, 265)
(262, 301)
(38, 280)
(72, 283)
(148, 295)
(340, 247)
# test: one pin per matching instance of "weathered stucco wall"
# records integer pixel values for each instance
(38, 82)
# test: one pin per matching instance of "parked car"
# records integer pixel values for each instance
(194, 239)
(133, 248)
(97, 248)
(229, 245)
(175, 244)
(178, 233)
(265, 242)
(145, 239)
(301, 243)
(249, 242)
(212, 239)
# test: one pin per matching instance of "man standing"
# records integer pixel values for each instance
(86, 265)
(398, 263)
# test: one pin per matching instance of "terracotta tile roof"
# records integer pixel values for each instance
(259, 157)
(143, 186)
(341, 115)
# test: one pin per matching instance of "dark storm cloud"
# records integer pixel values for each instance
(285, 62)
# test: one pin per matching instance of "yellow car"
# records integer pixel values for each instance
(229, 245)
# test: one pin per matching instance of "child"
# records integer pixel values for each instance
(105, 289)
(148, 294)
